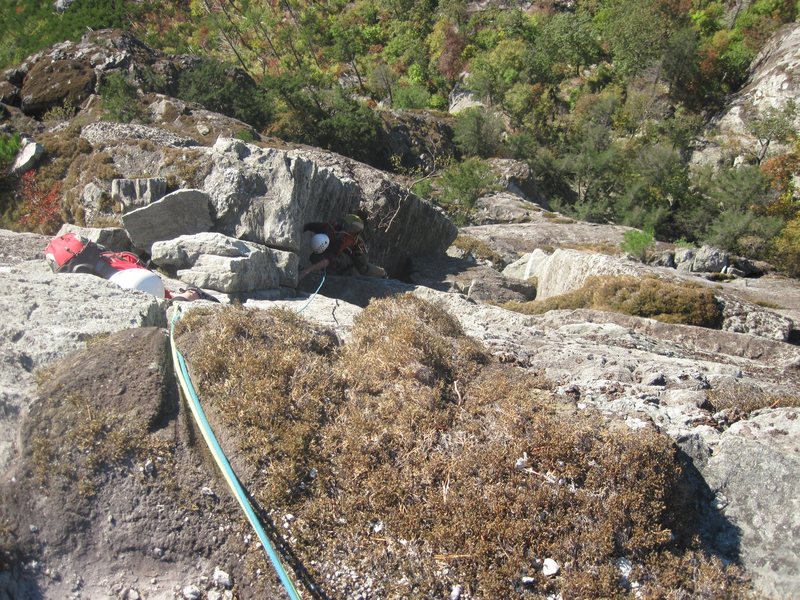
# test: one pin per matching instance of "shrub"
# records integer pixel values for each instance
(41, 208)
(464, 182)
(637, 243)
(786, 248)
(411, 96)
(227, 90)
(120, 99)
(9, 146)
(641, 297)
(742, 400)
(478, 133)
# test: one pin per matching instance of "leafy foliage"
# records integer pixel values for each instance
(9, 146)
(637, 243)
(120, 99)
(224, 89)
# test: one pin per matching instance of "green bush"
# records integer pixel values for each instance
(637, 243)
(227, 90)
(464, 182)
(9, 146)
(120, 99)
(411, 96)
(478, 132)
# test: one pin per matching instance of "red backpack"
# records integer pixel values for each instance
(70, 253)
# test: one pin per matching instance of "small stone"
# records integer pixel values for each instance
(550, 567)
(214, 595)
(192, 592)
(33, 528)
(222, 579)
(149, 467)
(455, 592)
(131, 594)
(528, 581)
(158, 552)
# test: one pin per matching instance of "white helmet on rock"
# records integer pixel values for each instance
(320, 243)
(139, 279)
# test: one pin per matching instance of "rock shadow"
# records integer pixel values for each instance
(702, 517)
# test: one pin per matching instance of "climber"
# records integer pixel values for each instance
(338, 246)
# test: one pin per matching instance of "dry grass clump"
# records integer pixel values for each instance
(480, 250)
(642, 297)
(270, 378)
(743, 399)
(424, 464)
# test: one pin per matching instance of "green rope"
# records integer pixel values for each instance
(319, 287)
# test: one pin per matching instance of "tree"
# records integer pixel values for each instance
(771, 124)
(478, 132)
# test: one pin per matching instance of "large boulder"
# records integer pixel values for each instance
(567, 270)
(183, 212)
(503, 207)
(218, 262)
(51, 83)
(28, 156)
(266, 195)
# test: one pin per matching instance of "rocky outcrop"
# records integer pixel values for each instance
(134, 193)
(265, 195)
(183, 212)
(217, 262)
(772, 83)
(415, 140)
(567, 270)
(753, 467)
(48, 315)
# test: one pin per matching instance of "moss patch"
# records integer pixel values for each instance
(642, 297)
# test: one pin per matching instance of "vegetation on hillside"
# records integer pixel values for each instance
(604, 100)
(410, 450)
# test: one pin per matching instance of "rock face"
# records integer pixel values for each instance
(265, 196)
(134, 193)
(772, 83)
(180, 213)
(567, 270)
(754, 467)
(27, 157)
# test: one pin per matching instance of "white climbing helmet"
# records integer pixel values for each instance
(139, 279)
(320, 243)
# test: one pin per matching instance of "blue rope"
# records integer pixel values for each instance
(225, 466)
(319, 287)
